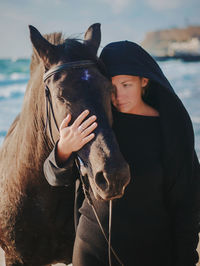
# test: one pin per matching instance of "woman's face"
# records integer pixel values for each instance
(127, 93)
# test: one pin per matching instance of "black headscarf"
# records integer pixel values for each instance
(128, 58)
(180, 162)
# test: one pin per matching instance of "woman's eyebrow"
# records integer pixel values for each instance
(126, 81)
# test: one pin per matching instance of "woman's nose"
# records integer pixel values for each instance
(119, 93)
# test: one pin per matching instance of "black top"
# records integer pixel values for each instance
(140, 223)
(158, 216)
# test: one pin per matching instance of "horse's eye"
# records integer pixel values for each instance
(56, 76)
(61, 99)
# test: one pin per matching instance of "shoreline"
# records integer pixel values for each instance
(184, 58)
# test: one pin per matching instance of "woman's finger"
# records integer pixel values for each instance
(87, 123)
(88, 138)
(65, 122)
(80, 119)
(88, 130)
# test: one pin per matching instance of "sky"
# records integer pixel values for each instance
(120, 19)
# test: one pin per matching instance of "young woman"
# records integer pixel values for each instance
(156, 221)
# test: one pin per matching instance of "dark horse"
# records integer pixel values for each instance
(36, 220)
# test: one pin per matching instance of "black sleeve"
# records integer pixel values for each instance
(60, 175)
(183, 203)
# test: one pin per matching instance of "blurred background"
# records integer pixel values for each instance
(169, 30)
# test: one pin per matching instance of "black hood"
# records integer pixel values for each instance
(128, 58)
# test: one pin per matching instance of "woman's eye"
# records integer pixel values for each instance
(127, 84)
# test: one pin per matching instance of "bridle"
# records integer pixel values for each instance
(48, 74)
(49, 107)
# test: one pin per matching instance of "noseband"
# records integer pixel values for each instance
(48, 74)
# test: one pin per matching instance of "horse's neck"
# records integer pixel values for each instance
(32, 144)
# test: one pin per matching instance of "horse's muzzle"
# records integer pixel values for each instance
(111, 185)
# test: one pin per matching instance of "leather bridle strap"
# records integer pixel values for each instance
(75, 64)
(49, 108)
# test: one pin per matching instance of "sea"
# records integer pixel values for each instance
(14, 75)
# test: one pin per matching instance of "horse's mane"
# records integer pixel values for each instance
(55, 38)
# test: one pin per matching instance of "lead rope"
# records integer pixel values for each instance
(87, 195)
(49, 108)
(110, 226)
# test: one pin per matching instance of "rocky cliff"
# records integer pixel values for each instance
(173, 42)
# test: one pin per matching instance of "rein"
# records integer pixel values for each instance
(49, 110)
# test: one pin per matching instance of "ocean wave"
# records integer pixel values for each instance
(3, 133)
(8, 66)
(15, 76)
(13, 91)
(2, 77)
(181, 69)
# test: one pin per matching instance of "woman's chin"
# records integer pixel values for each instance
(122, 108)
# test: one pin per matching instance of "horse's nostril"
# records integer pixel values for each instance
(101, 181)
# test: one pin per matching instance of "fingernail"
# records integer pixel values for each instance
(67, 116)
(86, 111)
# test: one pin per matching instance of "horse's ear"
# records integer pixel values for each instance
(92, 37)
(45, 49)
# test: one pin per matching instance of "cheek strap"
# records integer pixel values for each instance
(49, 111)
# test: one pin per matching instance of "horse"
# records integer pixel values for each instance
(36, 219)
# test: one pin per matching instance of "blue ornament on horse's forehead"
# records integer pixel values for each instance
(85, 75)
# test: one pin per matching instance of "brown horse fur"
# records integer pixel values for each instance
(22, 184)
(35, 228)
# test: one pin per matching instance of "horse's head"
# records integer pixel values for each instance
(78, 86)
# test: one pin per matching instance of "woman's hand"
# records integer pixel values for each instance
(74, 137)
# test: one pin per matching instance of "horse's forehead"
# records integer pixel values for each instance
(86, 75)
(82, 73)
